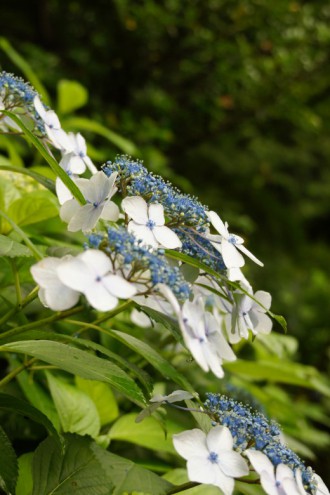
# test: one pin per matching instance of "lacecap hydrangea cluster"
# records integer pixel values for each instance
(138, 258)
(251, 429)
(15, 94)
(187, 216)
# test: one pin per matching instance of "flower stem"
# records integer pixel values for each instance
(107, 316)
(33, 294)
(182, 488)
(40, 323)
(16, 371)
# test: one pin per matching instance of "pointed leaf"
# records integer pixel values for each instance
(77, 411)
(24, 482)
(12, 249)
(33, 208)
(102, 396)
(80, 363)
(71, 95)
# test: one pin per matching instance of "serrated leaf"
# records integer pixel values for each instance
(149, 433)
(154, 358)
(129, 478)
(33, 208)
(19, 406)
(76, 410)
(8, 463)
(80, 363)
(102, 396)
(12, 249)
(84, 124)
(71, 96)
(74, 470)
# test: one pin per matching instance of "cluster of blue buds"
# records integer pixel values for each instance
(138, 259)
(252, 429)
(16, 95)
(187, 216)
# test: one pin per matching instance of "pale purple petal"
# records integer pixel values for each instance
(231, 257)
(232, 464)
(63, 193)
(321, 488)
(69, 209)
(265, 300)
(98, 297)
(268, 483)
(73, 163)
(250, 255)
(218, 223)
(110, 212)
(142, 233)
(219, 438)
(40, 109)
(60, 298)
(136, 208)
(156, 214)
(261, 322)
(166, 237)
(85, 218)
(97, 261)
(75, 274)
(90, 165)
(119, 287)
(260, 462)
(190, 442)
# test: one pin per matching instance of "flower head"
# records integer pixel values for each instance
(210, 458)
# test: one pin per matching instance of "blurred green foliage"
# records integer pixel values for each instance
(228, 98)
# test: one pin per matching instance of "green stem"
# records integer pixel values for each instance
(37, 254)
(16, 371)
(107, 316)
(40, 323)
(182, 488)
(30, 297)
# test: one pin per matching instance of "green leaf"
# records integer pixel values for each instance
(25, 481)
(74, 471)
(154, 358)
(128, 478)
(280, 371)
(71, 95)
(33, 208)
(83, 124)
(19, 406)
(170, 323)
(8, 463)
(179, 477)
(36, 395)
(44, 181)
(80, 363)
(77, 411)
(103, 398)
(12, 249)
(149, 433)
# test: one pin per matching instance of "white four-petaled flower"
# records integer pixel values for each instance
(211, 458)
(55, 133)
(148, 223)
(228, 244)
(98, 190)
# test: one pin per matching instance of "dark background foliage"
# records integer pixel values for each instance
(230, 100)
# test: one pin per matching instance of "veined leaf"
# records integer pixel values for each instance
(12, 249)
(44, 181)
(78, 362)
(76, 410)
(33, 208)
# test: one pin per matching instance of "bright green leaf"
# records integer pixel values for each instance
(33, 208)
(102, 396)
(25, 481)
(71, 96)
(76, 410)
(12, 249)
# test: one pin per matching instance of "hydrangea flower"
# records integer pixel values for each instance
(248, 314)
(78, 154)
(148, 223)
(210, 458)
(54, 131)
(98, 191)
(91, 274)
(53, 293)
(228, 244)
(279, 481)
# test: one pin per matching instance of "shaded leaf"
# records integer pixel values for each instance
(102, 396)
(25, 481)
(12, 249)
(8, 463)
